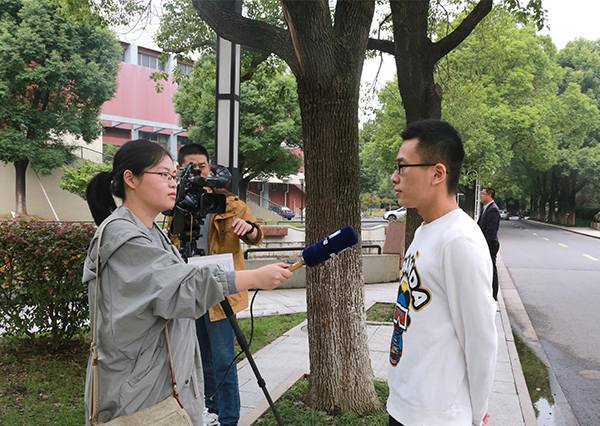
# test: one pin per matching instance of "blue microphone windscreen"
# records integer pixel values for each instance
(332, 245)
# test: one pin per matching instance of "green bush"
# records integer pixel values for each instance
(41, 267)
(586, 212)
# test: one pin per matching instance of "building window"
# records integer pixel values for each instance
(183, 140)
(283, 187)
(149, 61)
(273, 187)
(185, 68)
(258, 186)
(154, 137)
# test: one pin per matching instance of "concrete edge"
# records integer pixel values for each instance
(564, 228)
(527, 409)
(263, 406)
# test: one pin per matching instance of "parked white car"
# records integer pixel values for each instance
(395, 214)
(504, 215)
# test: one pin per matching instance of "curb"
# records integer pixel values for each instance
(564, 228)
(525, 402)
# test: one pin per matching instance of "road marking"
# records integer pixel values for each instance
(590, 257)
(527, 230)
(546, 239)
(534, 234)
(562, 245)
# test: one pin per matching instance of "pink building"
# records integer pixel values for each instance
(138, 110)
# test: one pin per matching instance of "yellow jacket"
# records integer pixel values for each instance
(222, 240)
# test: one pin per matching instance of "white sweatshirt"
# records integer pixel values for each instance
(444, 345)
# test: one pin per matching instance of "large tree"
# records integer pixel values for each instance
(55, 74)
(269, 116)
(417, 52)
(325, 50)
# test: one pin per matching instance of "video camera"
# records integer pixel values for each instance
(194, 203)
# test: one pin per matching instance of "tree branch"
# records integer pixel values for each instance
(386, 46)
(257, 35)
(456, 37)
(256, 61)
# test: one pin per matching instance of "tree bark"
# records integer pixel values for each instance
(20, 186)
(327, 58)
(416, 57)
(470, 197)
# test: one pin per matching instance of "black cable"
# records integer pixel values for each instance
(240, 352)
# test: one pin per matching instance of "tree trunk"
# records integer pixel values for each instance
(341, 375)
(327, 58)
(416, 57)
(20, 186)
(243, 186)
(415, 63)
(470, 197)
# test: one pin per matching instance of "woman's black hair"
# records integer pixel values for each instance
(135, 156)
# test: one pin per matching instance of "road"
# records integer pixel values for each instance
(557, 275)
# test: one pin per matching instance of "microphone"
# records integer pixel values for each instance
(327, 248)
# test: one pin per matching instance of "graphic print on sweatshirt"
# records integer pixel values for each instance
(410, 292)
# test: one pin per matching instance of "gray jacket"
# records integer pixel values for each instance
(143, 287)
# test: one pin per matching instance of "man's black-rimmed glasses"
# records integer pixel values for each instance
(399, 166)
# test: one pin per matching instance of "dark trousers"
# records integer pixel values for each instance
(394, 422)
(494, 252)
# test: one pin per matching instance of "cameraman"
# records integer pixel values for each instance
(221, 233)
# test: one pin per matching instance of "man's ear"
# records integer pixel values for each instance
(440, 174)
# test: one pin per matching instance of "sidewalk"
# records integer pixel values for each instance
(594, 233)
(286, 359)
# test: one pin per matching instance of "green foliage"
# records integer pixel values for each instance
(269, 115)
(500, 89)
(76, 179)
(40, 278)
(104, 12)
(55, 74)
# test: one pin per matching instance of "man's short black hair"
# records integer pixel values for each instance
(191, 149)
(490, 192)
(439, 142)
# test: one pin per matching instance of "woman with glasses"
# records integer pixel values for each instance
(145, 286)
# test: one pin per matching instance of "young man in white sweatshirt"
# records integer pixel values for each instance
(444, 344)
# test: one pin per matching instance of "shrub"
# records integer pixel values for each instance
(41, 266)
(586, 212)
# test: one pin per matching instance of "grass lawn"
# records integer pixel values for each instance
(41, 388)
(381, 312)
(37, 388)
(267, 329)
(293, 410)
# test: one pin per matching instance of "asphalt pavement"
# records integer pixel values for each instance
(286, 360)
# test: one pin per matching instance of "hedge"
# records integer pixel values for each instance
(41, 266)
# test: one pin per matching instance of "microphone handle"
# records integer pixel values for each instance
(297, 265)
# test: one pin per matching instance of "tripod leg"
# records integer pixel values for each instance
(244, 345)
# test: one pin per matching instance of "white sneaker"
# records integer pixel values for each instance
(210, 419)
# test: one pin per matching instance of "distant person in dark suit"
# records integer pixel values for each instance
(489, 222)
